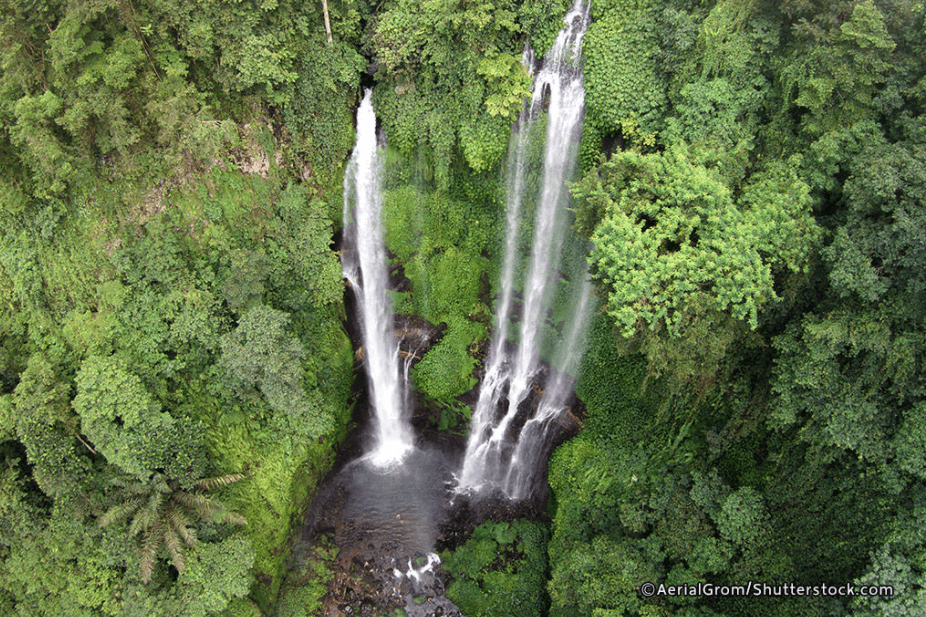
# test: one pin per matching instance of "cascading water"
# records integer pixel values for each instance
(364, 264)
(489, 461)
(496, 374)
(388, 508)
(525, 460)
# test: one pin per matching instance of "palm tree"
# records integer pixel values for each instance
(163, 513)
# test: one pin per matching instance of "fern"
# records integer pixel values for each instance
(163, 512)
(149, 553)
(174, 548)
(121, 511)
(208, 484)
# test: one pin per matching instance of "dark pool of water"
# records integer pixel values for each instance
(386, 523)
(397, 511)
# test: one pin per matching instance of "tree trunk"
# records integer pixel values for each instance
(327, 21)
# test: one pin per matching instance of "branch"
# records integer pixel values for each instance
(87, 445)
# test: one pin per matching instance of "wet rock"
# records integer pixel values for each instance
(417, 335)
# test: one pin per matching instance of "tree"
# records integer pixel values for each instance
(678, 258)
(847, 371)
(604, 574)
(501, 570)
(626, 93)
(720, 92)
(126, 424)
(898, 562)
(49, 429)
(904, 576)
(836, 73)
(453, 76)
(308, 272)
(327, 20)
(262, 353)
(163, 513)
(53, 562)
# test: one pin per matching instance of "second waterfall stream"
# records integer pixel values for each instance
(496, 452)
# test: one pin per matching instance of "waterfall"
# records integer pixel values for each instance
(491, 461)
(365, 267)
(496, 373)
(525, 459)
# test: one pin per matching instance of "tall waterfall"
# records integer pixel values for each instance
(492, 460)
(525, 459)
(364, 263)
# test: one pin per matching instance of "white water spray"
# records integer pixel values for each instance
(364, 264)
(525, 459)
(497, 372)
(487, 462)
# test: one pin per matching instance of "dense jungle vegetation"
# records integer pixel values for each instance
(175, 377)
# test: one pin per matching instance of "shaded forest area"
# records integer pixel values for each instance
(174, 374)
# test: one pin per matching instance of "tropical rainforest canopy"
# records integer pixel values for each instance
(175, 378)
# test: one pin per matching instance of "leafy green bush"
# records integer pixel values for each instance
(501, 570)
(450, 77)
(624, 91)
(683, 259)
(319, 112)
(446, 371)
(304, 587)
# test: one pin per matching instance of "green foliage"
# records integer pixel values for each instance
(678, 257)
(898, 563)
(318, 113)
(832, 378)
(216, 573)
(40, 416)
(846, 371)
(736, 40)
(446, 371)
(300, 602)
(215, 580)
(541, 20)
(124, 311)
(719, 118)
(846, 69)
(742, 520)
(311, 273)
(165, 513)
(127, 426)
(261, 353)
(636, 499)
(448, 283)
(90, 86)
(669, 231)
(611, 384)
(162, 313)
(450, 76)
(501, 570)
(305, 585)
(624, 91)
(403, 216)
(441, 241)
(602, 575)
(875, 249)
(285, 469)
(55, 564)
